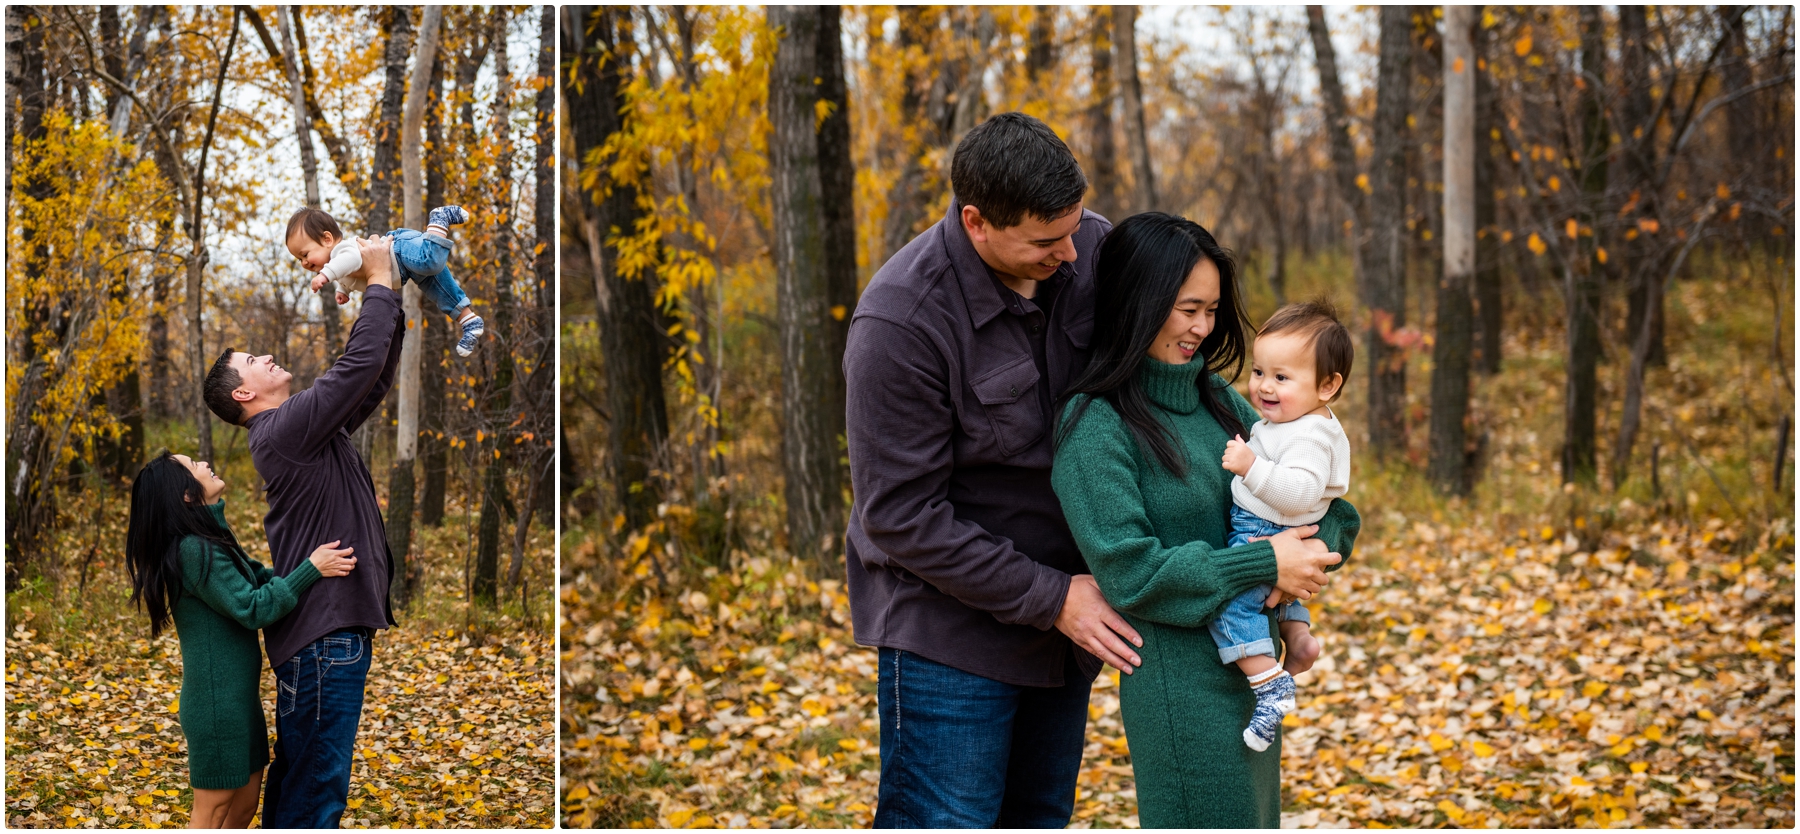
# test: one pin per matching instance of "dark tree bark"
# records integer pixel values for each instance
(1384, 284)
(434, 449)
(1131, 92)
(500, 405)
(1105, 154)
(1450, 354)
(1641, 258)
(198, 256)
(1581, 279)
(1746, 136)
(928, 103)
(541, 387)
(28, 97)
(815, 268)
(599, 43)
(1040, 54)
(1488, 298)
(378, 213)
(1343, 154)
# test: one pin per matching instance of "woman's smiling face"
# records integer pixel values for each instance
(1191, 319)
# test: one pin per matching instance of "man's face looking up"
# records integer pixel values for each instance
(259, 375)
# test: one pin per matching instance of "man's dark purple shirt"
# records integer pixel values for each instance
(957, 547)
(319, 489)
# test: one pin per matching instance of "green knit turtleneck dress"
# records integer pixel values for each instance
(225, 598)
(1155, 543)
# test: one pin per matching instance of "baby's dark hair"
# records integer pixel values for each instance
(1317, 321)
(315, 222)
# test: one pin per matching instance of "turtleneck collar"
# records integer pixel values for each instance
(1172, 387)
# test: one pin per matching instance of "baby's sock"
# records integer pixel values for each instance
(443, 217)
(472, 327)
(1274, 698)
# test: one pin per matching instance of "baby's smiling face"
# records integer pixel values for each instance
(1284, 383)
(313, 254)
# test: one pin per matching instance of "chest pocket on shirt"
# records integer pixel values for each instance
(1009, 396)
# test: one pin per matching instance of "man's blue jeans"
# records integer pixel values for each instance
(961, 751)
(318, 703)
(424, 260)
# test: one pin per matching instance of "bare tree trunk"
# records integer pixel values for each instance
(401, 483)
(1641, 257)
(309, 166)
(1450, 354)
(1105, 161)
(1131, 92)
(1343, 154)
(928, 104)
(1040, 53)
(1488, 298)
(434, 450)
(1384, 284)
(815, 268)
(1582, 277)
(632, 326)
(494, 493)
(198, 256)
(542, 385)
(378, 213)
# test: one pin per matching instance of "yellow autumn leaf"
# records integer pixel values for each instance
(1535, 244)
(1593, 689)
(1482, 749)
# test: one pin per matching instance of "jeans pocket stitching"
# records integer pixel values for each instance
(285, 695)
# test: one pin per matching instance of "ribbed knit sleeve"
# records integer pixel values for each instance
(1096, 476)
(213, 574)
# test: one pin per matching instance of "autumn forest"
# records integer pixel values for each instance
(611, 526)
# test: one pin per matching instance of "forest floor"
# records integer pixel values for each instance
(457, 726)
(1531, 656)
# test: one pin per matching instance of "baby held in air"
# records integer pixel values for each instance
(314, 237)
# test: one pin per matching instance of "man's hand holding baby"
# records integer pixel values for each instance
(377, 260)
(1238, 457)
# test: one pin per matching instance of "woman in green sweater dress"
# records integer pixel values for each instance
(1138, 472)
(186, 567)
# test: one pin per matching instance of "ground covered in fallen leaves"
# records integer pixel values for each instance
(458, 722)
(1531, 656)
(452, 735)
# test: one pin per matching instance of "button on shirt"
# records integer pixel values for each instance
(957, 547)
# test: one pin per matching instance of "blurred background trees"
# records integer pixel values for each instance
(154, 156)
(1616, 152)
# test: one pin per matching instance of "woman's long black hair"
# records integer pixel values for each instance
(1138, 274)
(166, 507)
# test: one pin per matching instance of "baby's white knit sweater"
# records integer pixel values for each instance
(1300, 466)
(345, 267)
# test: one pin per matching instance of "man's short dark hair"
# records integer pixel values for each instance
(315, 222)
(1012, 165)
(220, 382)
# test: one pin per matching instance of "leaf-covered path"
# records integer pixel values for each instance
(453, 735)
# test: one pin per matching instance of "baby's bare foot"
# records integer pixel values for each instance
(1302, 647)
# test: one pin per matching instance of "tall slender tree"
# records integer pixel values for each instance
(1103, 154)
(1450, 355)
(815, 266)
(1131, 93)
(401, 477)
(1384, 277)
(499, 407)
(600, 44)
(1582, 274)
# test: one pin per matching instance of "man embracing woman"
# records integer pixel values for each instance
(318, 607)
(1036, 423)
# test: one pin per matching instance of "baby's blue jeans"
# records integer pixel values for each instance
(423, 260)
(1242, 629)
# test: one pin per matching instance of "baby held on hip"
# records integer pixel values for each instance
(1296, 461)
